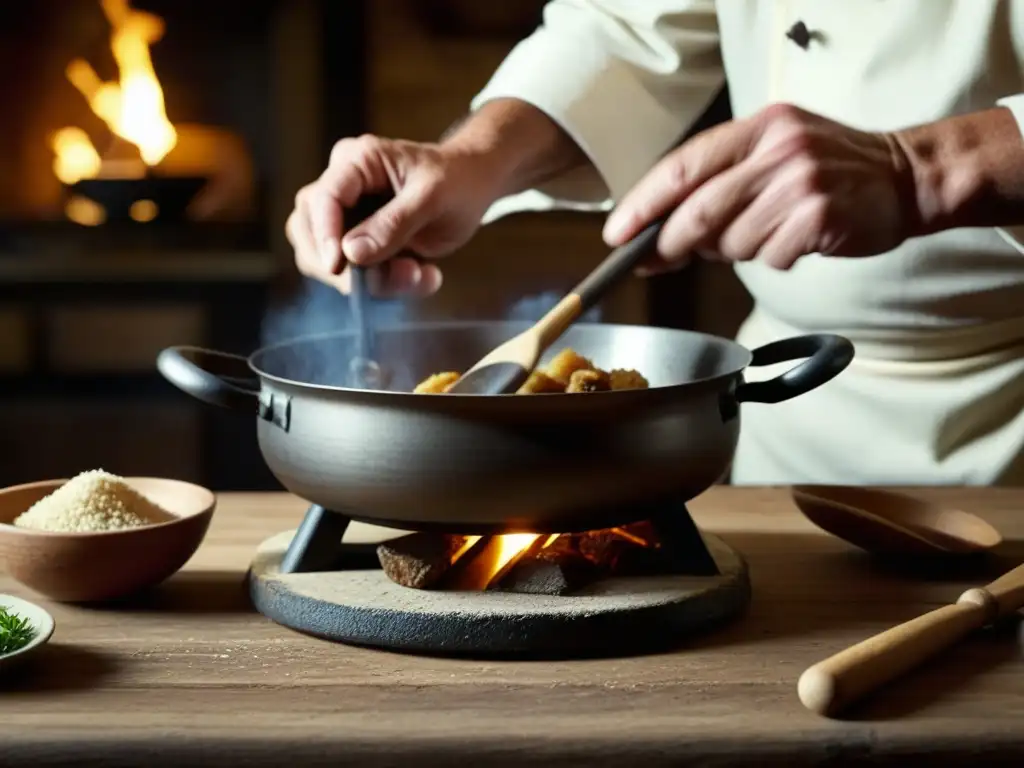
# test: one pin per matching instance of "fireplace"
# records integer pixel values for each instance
(151, 151)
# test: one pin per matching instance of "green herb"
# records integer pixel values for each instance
(15, 632)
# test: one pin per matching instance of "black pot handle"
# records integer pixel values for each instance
(827, 356)
(217, 378)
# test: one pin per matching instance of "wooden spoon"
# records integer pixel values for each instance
(893, 523)
(833, 684)
(507, 367)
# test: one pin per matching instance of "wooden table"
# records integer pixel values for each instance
(194, 677)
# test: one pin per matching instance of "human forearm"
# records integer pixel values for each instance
(517, 144)
(966, 171)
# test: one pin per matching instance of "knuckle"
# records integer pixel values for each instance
(782, 112)
(700, 215)
(387, 222)
(818, 213)
(798, 141)
(352, 148)
(810, 176)
(341, 151)
(368, 143)
(678, 174)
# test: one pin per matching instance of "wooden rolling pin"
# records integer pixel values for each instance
(835, 683)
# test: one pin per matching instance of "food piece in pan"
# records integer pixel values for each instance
(627, 379)
(588, 381)
(565, 363)
(540, 383)
(436, 383)
(568, 372)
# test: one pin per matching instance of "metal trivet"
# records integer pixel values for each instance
(309, 581)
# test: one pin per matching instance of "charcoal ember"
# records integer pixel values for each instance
(547, 572)
(602, 548)
(419, 560)
(620, 555)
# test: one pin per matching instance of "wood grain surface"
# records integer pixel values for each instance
(192, 676)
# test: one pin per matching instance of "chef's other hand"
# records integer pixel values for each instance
(772, 187)
(439, 199)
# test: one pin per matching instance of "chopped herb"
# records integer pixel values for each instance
(15, 632)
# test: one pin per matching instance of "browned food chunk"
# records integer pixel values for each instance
(437, 383)
(540, 383)
(588, 381)
(419, 560)
(567, 372)
(566, 363)
(627, 379)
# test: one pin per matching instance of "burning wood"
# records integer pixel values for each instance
(557, 564)
(419, 560)
(547, 571)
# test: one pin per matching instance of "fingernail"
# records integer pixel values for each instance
(359, 248)
(330, 252)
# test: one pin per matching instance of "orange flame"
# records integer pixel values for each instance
(133, 107)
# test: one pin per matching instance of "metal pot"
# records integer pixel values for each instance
(484, 464)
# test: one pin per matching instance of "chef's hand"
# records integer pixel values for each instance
(440, 195)
(773, 187)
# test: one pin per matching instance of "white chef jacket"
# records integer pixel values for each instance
(935, 394)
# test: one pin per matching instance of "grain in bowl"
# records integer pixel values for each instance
(93, 501)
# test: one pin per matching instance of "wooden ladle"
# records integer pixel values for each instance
(891, 523)
(833, 684)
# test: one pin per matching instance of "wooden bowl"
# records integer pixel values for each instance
(95, 566)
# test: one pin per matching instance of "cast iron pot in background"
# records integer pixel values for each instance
(479, 464)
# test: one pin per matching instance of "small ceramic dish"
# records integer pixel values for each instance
(42, 627)
(98, 566)
(891, 523)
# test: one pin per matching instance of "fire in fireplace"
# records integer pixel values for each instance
(146, 167)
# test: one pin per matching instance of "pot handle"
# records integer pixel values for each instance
(827, 356)
(216, 378)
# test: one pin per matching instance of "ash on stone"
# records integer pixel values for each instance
(419, 560)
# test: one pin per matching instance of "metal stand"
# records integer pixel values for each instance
(316, 546)
(317, 543)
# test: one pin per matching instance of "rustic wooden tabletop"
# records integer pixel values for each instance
(192, 676)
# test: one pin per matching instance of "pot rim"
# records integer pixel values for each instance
(514, 326)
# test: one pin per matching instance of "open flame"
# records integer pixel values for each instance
(498, 553)
(132, 108)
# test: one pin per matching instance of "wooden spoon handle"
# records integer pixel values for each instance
(595, 286)
(832, 684)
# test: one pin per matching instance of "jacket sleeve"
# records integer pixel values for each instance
(624, 78)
